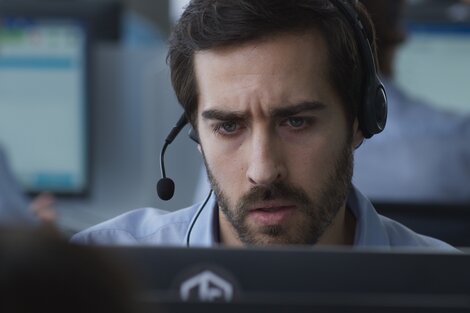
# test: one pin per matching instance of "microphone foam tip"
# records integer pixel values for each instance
(165, 188)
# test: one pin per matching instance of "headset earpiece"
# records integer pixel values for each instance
(372, 112)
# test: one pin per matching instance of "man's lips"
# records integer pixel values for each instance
(271, 213)
(271, 205)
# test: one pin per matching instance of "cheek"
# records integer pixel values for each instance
(228, 169)
(223, 157)
(311, 162)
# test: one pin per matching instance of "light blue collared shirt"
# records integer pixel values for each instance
(149, 226)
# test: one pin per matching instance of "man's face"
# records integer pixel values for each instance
(274, 139)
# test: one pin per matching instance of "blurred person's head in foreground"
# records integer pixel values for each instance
(41, 272)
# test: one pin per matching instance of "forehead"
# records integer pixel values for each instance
(287, 67)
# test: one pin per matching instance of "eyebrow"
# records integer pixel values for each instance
(290, 110)
(222, 115)
(298, 108)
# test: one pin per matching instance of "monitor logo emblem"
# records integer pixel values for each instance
(206, 287)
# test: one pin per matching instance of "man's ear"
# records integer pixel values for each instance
(358, 137)
(194, 136)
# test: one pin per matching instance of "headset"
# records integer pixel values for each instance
(372, 113)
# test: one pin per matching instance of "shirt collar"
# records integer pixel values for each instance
(369, 228)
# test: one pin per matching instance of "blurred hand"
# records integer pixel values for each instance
(43, 207)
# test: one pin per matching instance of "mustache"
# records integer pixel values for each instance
(278, 190)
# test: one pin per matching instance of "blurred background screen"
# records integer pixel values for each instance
(45, 88)
(433, 51)
(43, 98)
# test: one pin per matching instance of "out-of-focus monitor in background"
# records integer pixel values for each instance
(43, 98)
(45, 89)
(434, 64)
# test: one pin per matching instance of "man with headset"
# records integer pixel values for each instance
(279, 94)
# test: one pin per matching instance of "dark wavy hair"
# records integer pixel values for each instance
(209, 24)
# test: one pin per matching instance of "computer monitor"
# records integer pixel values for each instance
(296, 279)
(45, 89)
(43, 97)
(431, 52)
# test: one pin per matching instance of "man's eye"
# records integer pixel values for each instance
(228, 127)
(296, 122)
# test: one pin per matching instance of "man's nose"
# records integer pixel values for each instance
(265, 161)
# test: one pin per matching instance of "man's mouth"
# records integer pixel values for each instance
(271, 213)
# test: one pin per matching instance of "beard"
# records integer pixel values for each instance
(313, 214)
